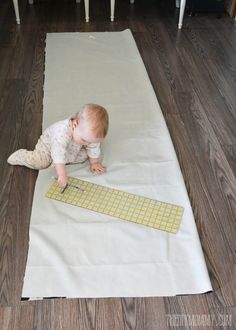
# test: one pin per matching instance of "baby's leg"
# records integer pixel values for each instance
(37, 159)
(40, 157)
(80, 157)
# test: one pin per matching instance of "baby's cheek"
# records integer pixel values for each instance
(76, 141)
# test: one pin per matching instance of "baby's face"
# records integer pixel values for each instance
(82, 134)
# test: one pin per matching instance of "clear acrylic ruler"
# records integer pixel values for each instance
(119, 204)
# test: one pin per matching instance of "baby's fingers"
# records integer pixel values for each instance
(99, 169)
(62, 182)
(102, 168)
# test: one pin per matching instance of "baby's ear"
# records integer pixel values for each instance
(75, 123)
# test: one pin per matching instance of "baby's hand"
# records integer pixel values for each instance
(62, 180)
(97, 168)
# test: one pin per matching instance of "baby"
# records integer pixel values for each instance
(69, 141)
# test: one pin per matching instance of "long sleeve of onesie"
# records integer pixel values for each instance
(57, 137)
(93, 150)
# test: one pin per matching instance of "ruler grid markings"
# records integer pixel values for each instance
(119, 204)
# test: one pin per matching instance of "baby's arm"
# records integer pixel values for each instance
(93, 150)
(59, 143)
(62, 178)
(96, 166)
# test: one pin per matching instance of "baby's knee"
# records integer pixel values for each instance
(39, 160)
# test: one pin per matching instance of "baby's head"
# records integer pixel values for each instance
(90, 124)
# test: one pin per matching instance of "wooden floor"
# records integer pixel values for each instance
(193, 72)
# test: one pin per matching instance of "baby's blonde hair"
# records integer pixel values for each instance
(96, 116)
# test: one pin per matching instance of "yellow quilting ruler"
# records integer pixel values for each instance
(119, 204)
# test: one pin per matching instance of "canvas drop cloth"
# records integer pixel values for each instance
(75, 252)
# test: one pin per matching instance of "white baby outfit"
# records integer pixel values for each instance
(55, 145)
